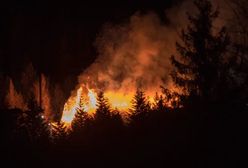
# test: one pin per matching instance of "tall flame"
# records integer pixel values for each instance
(70, 107)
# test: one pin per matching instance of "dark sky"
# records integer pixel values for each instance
(58, 38)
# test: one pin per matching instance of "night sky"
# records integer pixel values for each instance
(59, 38)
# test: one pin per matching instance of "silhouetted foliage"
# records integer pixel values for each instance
(34, 124)
(178, 130)
(172, 99)
(140, 108)
(201, 70)
(103, 112)
(59, 132)
(159, 104)
(81, 119)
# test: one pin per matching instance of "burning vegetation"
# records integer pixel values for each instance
(137, 98)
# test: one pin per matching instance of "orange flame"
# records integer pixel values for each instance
(70, 107)
(117, 100)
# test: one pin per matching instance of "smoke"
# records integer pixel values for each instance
(136, 54)
(132, 55)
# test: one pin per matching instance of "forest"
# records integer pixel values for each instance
(201, 124)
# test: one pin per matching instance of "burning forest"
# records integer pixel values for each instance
(161, 83)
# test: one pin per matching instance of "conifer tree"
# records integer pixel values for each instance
(103, 111)
(201, 67)
(33, 122)
(140, 107)
(59, 132)
(80, 119)
(159, 104)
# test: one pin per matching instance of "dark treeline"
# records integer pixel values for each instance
(201, 126)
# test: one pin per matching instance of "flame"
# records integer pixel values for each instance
(88, 102)
(119, 100)
(70, 107)
(90, 106)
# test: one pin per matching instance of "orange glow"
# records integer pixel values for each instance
(90, 104)
(70, 107)
(119, 100)
(86, 99)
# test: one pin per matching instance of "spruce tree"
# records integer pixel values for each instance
(103, 111)
(200, 67)
(159, 104)
(140, 107)
(80, 119)
(33, 122)
(59, 132)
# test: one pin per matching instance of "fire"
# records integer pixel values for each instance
(88, 102)
(90, 105)
(70, 107)
(119, 100)
(83, 101)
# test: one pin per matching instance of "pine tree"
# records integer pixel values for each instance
(159, 104)
(140, 107)
(103, 111)
(59, 132)
(80, 120)
(200, 70)
(33, 122)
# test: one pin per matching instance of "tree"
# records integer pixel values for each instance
(140, 107)
(80, 120)
(33, 122)
(239, 48)
(103, 112)
(107, 120)
(201, 68)
(59, 132)
(159, 104)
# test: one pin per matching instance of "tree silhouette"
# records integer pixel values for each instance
(103, 112)
(80, 120)
(59, 132)
(159, 104)
(34, 124)
(201, 67)
(106, 121)
(140, 108)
